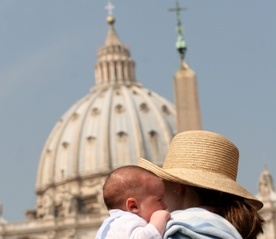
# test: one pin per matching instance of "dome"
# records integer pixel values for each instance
(110, 127)
(118, 122)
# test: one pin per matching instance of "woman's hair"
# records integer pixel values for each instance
(235, 209)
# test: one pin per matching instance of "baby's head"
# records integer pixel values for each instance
(134, 189)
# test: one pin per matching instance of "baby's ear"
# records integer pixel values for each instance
(132, 205)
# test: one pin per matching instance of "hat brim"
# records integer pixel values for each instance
(203, 179)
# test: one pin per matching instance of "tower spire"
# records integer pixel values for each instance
(180, 42)
(185, 86)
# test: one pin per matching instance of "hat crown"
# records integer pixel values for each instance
(203, 151)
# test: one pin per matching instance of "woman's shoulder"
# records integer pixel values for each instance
(196, 214)
(199, 219)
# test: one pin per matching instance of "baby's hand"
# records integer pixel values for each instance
(161, 214)
(159, 220)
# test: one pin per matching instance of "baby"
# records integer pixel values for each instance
(134, 198)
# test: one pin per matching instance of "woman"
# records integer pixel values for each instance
(200, 172)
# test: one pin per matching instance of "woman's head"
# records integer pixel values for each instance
(203, 159)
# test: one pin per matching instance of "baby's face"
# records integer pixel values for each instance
(153, 198)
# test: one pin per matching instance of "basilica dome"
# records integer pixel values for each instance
(115, 124)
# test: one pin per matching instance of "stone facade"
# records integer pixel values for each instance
(267, 195)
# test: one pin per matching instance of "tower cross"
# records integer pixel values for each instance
(180, 43)
(177, 9)
(109, 7)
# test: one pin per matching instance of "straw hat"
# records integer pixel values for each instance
(203, 159)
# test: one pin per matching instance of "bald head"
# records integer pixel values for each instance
(125, 182)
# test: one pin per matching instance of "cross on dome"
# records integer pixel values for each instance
(109, 7)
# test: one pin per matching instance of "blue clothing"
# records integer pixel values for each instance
(198, 223)
(126, 225)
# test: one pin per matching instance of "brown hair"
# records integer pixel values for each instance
(122, 183)
(235, 209)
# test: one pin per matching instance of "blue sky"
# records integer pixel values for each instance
(48, 51)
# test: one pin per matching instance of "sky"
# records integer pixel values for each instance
(47, 54)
